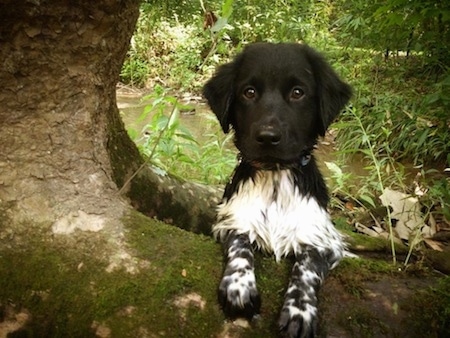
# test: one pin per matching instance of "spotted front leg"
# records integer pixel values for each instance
(238, 294)
(298, 317)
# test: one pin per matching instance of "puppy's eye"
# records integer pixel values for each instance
(297, 93)
(249, 93)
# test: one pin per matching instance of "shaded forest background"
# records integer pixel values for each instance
(395, 134)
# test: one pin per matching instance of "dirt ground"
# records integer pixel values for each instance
(380, 306)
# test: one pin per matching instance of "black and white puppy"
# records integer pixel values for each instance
(278, 99)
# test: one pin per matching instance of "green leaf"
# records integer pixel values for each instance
(334, 168)
(227, 8)
(422, 138)
(147, 109)
(369, 200)
(365, 138)
(367, 152)
(174, 119)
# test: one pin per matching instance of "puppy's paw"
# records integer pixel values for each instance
(298, 323)
(239, 296)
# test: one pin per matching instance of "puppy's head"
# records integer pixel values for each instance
(278, 98)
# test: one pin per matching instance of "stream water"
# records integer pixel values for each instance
(199, 121)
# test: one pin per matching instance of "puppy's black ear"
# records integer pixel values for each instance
(219, 92)
(333, 93)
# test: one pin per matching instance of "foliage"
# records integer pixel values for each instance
(170, 146)
(376, 165)
(397, 25)
(169, 49)
(439, 197)
(134, 72)
(179, 52)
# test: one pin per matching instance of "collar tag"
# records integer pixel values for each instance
(305, 160)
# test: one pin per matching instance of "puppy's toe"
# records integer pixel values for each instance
(239, 298)
(294, 323)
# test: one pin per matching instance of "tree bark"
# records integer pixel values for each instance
(67, 236)
(63, 146)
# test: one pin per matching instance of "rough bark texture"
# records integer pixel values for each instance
(59, 66)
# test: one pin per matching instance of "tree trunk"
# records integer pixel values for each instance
(64, 148)
(59, 68)
(72, 251)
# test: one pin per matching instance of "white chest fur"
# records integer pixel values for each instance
(271, 210)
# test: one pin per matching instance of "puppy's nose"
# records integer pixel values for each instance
(268, 137)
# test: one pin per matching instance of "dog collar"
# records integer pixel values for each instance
(304, 160)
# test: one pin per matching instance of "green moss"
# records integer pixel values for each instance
(429, 310)
(66, 289)
(44, 280)
(202, 259)
(360, 322)
(62, 282)
(353, 272)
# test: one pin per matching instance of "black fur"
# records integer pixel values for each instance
(278, 99)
